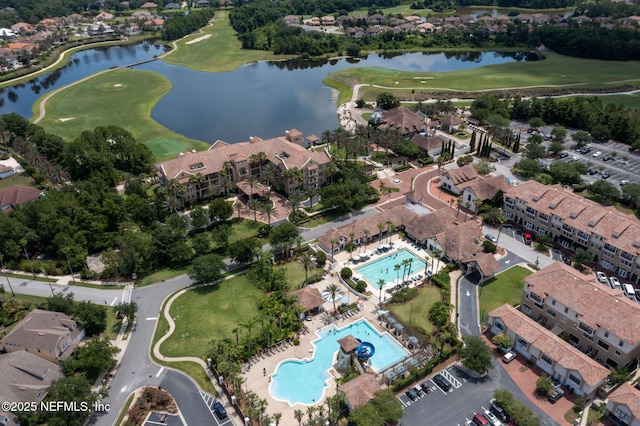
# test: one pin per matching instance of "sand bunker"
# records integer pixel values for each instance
(195, 40)
(65, 119)
(117, 85)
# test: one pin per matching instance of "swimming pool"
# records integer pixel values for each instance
(383, 268)
(304, 382)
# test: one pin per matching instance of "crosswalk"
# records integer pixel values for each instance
(126, 293)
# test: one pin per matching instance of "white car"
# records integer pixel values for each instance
(602, 277)
(508, 357)
(492, 418)
(597, 154)
(614, 282)
(397, 181)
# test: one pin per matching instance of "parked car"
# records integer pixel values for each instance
(624, 182)
(219, 410)
(597, 154)
(563, 155)
(606, 158)
(555, 395)
(442, 383)
(602, 277)
(492, 418)
(566, 259)
(491, 238)
(605, 175)
(411, 394)
(480, 420)
(593, 171)
(426, 387)
(508, 357)
(499, 411)
(527, 239)
(613, 281)
(418, 390)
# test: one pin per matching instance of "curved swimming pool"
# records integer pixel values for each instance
(304, 382)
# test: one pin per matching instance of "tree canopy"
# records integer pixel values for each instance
(475, 354)
(206, 269)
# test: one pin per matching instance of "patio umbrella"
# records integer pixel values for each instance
(413, 362)
(399, 327)
(379, 247)
(413, 339)
(392, 320)
(387, 246)
(400, 369)
(345, 300)
(390, 375)
(356, 257)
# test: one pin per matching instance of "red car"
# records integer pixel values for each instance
(527, 239)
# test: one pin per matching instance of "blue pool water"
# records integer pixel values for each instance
(383, 268)
(304, 382)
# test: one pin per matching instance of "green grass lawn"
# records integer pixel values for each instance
(555, 70)
(20, 179)
(160, 275)
(629, 101)
(506, 287)
(416, 312)
(403, 9)
(208, 313)
(220, 51)
(105, 99)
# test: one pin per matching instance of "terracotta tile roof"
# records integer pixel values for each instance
(436, 223)
(17, 195)
(308, 297)
(598, 305)
(404, 120)
(213, 159)
(427, 143)
(627, 395)
(459, 241)
(349, 343)
(553, 346)
(360, 390)
(20, 45)
(451, 120)
(487, 263)
(616, 228)
(26, 376)
(486, 188)
(462, 174)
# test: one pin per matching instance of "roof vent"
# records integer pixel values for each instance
(553, 205)
(636, 244)
(573, 215)
(616, 234)
(536, 198)
(592, 223)
(40, 333)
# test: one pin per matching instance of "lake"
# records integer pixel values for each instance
(259, 99)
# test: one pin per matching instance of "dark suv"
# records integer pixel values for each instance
(219, 410)
(443, 383)
(499, 412)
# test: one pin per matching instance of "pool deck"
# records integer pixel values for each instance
(257, 377)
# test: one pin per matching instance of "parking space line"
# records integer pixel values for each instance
(402, 402)
(454, 382)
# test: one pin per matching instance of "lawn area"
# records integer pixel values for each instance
(554, 70)
(161, 275)
(403, 9)
(220, 51)
(506, 287)
(628, 101)
(416, 312)
(21, 179)
(211, 312)
(105, 99)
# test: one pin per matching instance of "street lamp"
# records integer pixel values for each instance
(66, 252)
(50, 286)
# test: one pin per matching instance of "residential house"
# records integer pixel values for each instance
(484, 188)
(312, 140)
(360, 390)
(49, 335)
(575, 370)
(155, 24)
(291, 20)
(17, 195)
(202, 3)
(450, 124)
(312, 22)
(429, 143)
(149, 5)
(235, 161)
(6, 171)
(100, 29)
(328, 20)
(172, 6)
(373, 31)
(404, 120)
(455, 180)
(413, 19)
(103, 16)
(624, 405)
(20, 47)
(48, 23)
(23, 28)
(575, 222)
(426, 28)
(141, 15)
(598, 320)
(26, 377)
(6, 33)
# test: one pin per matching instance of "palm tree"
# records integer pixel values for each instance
(276, 418)
(381, 284)
(333, 291)
(389, 225)
(312, 192)
(330, 171)
(477, 204)
(251, 181)
(427, 259)
(366, 233)
(351, 236)
(436, 255)
(198, 180)
(254, 205)
(380, 230)
(333, 242)
(236, 331)
(266, 210)
(397, 268)
(295, 199)
(405, 264)
(310, 410)
(298, 414)
(238, 206)
(172, 204)
(258, 158)
(306, 262)
(269, 174)
(468, 206)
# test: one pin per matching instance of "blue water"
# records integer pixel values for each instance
(303, 382)
(383, 268)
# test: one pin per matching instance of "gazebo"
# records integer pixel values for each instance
(348, 351)
(309, 299)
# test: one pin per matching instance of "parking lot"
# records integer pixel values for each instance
(163, 419)
(210, 401)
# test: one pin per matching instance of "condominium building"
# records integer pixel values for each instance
(247, 166)
(575, 222)
(594, 318)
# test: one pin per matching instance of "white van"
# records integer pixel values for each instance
(629, 291)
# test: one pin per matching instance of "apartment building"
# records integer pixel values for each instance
(201, 174)
(575, 222)
(599, 321)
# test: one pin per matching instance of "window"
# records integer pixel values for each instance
(553, 302)
(531, 216)
(617, 353)
(622, 415)
(621, 343)
(584, 327)
(606, 334)
(523, 342)
(603, 345)
(499, 326)
(528, 225)
(546, 359)
(526, 309)
(551, 312)
(535, 297)
(575, 379)
(566, 310)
